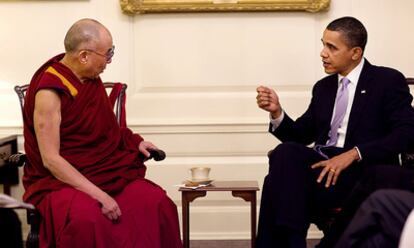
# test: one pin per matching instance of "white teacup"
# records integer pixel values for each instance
(200, 173)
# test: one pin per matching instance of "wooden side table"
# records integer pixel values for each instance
(9, 174)
(243, 189)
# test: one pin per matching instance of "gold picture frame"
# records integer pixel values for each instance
(169, 6)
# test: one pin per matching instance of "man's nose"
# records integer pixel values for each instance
(323, 53)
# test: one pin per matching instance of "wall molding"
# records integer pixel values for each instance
(172, 127)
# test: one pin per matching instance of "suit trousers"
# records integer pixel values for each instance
(292, 198)
(379, 221)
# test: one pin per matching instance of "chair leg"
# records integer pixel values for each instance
(33, 218)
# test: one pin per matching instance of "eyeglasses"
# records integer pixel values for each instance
(108, 56)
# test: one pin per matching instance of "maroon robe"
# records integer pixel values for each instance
(106, 154)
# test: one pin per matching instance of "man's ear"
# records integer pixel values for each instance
(357, 53)
(83, 56)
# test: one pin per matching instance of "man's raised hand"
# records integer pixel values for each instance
(268, 100)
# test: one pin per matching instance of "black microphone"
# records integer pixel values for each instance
(155, 154)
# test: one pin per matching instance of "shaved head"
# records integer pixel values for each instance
(85, 32)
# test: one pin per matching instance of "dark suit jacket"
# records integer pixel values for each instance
(381, 121)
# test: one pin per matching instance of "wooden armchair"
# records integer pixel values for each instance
(117, 92)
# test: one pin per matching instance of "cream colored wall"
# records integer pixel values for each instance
(192, 80)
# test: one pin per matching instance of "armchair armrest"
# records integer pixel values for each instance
(18, 159)
(156, 154)
(407, 159)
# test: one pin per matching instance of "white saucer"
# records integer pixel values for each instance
(200, 181)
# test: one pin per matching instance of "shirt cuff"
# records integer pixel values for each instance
(276, 122)
(359, 154)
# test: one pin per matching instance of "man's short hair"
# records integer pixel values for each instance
(353, 30)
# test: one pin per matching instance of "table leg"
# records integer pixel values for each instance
(253, 219)
(187, 197)
(186, 221)
(249, 196)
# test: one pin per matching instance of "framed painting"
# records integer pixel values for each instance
(169, 6)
